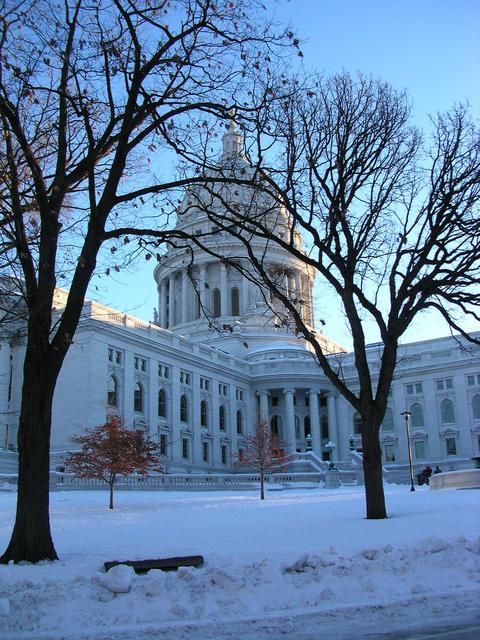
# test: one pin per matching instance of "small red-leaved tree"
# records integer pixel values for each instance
(264, 451)
(109, 450)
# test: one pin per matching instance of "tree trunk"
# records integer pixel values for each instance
(31, 539)
(262, 486)
(111, 484)
(372, 468)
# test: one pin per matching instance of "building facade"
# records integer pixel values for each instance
(214, 362)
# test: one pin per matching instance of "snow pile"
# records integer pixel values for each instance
(302, 553)
(118, 580)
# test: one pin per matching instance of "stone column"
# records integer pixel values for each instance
(176, 443)
(18, 354)
(196, 456)
(184, 296)
(291, 437)
(201, 286)
(223, 290)
(152, 414)
(232, 416)
(171, 300)
(264, 414)
(245, 294)
(215, 453)
(310, 301)
(315, 423)
(332, 421)
(4, 387)
(286, 285)
(298, 286)
(162, 303)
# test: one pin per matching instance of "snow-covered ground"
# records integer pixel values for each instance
(301, 564)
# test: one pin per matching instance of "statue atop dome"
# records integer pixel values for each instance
(232, 140)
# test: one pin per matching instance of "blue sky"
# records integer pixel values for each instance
(430, 48)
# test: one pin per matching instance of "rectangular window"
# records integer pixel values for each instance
(240, 394)
(444, 384)
(205, 384)
(389, 453)
(275, 401)
(140, 364)
(223, 389)
(163, 371)
(307, 401)
(205, 451)
(224, 454)
(471, 381)
(419, 449)
(185, 378)
(114, 355)
(240, 455)
(185, 448)
(415, 388)
(163, 444)
(451, 446)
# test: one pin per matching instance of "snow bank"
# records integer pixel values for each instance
(296, 552)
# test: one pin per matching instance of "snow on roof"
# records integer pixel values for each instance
(277, 346)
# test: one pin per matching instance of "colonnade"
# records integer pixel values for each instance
(222, 291)
(289, 435)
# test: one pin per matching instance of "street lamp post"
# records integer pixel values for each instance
(309, 442)
(406, 415)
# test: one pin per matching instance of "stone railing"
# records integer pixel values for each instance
(465, 479)
(184, 481)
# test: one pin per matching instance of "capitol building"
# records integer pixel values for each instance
(215, 360)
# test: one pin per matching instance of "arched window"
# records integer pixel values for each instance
(417, 416)
(239, 421)
(217, 303)
(197, 307)
(138, 398)
(274, 426)
(235, 301)
(306, 426)
(388, 424)
(447, 411)
(476, 407)
(112, 392)
(183, 408)
(297, 427)
(357, 423)
(221, 417)
(324, 423)
(162, 404)
(203, 413)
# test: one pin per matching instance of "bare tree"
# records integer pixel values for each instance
(264, 451)
(96, 100)
(390, 224)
